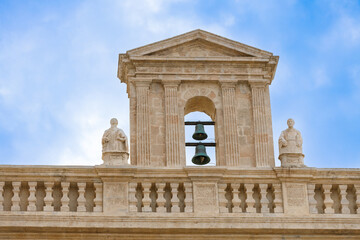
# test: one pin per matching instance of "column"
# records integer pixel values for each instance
(263, 199)
(328, 202)
(65, 198)
(142, 122)
(161, 199)
(32, 197)
(16, 197)
(174, 199)
(172, 128)
(146, 200)
(232, 152)
(344, 201)
(262, 150)
(81, 200)
(250, 201)
(48, 199)
(236, 198)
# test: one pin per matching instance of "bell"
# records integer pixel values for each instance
(199, 133)
(200, 157)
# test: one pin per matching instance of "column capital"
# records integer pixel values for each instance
(171, 83)
(141, 82)
(258, 84)
(228, 84)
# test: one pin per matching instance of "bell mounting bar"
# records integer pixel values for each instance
(194, 144)
(200, 122)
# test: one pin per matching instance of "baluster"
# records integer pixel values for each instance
(236, 198)
(278, 198)
(81, 199)
(344, 201)
(2, 184)
(48, 199)
(16, 197)
(98, 197)
(264, 201)
(174, 199)
(32, 197)
(132, 197)
(328, 202)
(357, 192)
(312, 201)
(146, 199)
(250, 201)
(188, 197)
(222, 198)
(161, 199)
(65, 200)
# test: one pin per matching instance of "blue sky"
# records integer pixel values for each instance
(58, 63)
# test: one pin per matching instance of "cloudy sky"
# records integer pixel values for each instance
(58, 63)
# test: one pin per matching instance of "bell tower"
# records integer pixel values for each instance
(199, 71)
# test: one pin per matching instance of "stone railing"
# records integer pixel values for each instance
(334, 198)
(49, 189)
(250, 197)
(50, 196)
(160, 197)
(196, 190)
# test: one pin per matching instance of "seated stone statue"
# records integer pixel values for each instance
(115, 146)
(290, 146)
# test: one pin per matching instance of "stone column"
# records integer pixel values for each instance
(262, 150)
(232, 152)
(142, 122)
(172, 129)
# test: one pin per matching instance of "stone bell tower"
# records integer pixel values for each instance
(199, 71)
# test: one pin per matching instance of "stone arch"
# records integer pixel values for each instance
(201, 104)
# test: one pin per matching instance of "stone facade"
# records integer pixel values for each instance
(199, 71)
(157, 196)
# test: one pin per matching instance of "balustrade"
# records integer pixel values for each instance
(250, 198)
(49, 196)
(160, 197)
(334, 198)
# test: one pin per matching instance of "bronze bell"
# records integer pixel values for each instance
(199, 133)
(200, 157)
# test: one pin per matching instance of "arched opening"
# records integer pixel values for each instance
(200, 109)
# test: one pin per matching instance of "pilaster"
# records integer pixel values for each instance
(172, 124)
(142, 122)
(232, 152)
(262, 151)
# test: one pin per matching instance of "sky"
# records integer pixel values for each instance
(58, 65)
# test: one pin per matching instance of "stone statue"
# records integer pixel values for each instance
(115, 148)
(290, 147)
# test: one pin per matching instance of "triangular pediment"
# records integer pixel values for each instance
(198, 48)
(199, 43)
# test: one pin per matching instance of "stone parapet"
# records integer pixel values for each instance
(132, 197)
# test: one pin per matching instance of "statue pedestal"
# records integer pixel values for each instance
(292, 160)
(115, 158)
